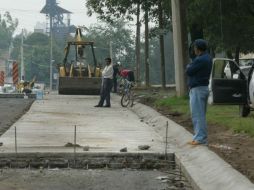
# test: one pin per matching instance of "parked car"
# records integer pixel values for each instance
(1, 89)
(232, 85)
(8, 88)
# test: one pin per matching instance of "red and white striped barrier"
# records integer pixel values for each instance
(15, 73)
(1, 78)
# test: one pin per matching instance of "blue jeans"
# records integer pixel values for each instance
(198, 103)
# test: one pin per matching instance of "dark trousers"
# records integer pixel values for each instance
(115, 84)
(105, 91)
(131, 77)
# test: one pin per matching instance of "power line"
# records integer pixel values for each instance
(75, 11)
(20, 10)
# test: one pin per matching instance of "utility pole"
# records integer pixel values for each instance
(22, 56)
(180, 44)
(56, 17)
(111, 51)
(51, 47)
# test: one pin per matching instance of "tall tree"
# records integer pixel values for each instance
(162, 54)
(161, 15)
(147, 68)
(108, 9)
(7, 27)
(138, 44)
(36, 55)
(227, 25)
(122, 45)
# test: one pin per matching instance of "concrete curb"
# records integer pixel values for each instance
(204, 169)
(87, 160)
(17, 95)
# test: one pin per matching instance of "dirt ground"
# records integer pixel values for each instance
(236, 149)
(11, 110)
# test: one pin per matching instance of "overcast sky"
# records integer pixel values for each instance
(28, 12)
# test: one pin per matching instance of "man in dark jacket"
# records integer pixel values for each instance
(199, 73)
(116, 72)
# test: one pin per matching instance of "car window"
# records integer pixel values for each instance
(226, 69)
(218, 69)
(246, 62)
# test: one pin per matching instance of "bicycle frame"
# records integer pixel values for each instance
(127, 95)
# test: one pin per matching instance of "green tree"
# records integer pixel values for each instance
(7, 27)
(122, 42)
(36, 55)
(227, 25)
(154, 52)
(109, 10)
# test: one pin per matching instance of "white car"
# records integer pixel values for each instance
(8, 88)
(232, 85)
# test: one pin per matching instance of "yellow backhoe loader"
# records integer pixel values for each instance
(79, 74)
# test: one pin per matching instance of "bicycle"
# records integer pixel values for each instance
(127, 98)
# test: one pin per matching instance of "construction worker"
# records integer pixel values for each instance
(198, 73)
(107, 77)
(128, 74)
(116, 72)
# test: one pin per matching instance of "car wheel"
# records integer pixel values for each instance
(244, 110)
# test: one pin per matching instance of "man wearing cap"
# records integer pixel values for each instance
(198, 73)
(107, 76)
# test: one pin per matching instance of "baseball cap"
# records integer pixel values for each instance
(108, 59)
(201, 44)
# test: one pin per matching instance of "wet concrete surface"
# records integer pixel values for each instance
(49, 125)
(55, 179)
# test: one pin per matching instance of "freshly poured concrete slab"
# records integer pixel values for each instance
(82, 179)
(49, 126)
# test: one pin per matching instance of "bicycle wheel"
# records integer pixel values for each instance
(125, 100)
(131, 99)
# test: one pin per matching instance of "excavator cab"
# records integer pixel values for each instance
(79, 73)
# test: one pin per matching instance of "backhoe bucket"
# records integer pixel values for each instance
(79, 86)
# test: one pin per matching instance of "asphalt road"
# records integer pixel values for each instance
(11, 110)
